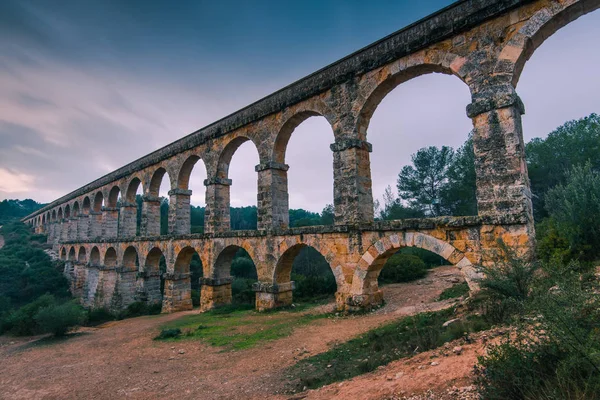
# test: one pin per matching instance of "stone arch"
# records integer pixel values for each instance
(95, 257)
(130, 259)
(98, 201)
(86, 205)
(60, 213)
(152, 263)
(72, 254)
(54, 215)
(76, 208)
(67, 211)
(183, 260)
(110, 257)
(227, 154)
(156, 180)
(63, 253)
(543, 24)
(222, 266)
(378, 86)
(113, 196)
(285, 132)
(44, 219)
(185, 171)
(132, 188)
(364, 281)
(82, 256)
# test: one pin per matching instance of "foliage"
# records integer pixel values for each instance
(12, 210)
(380, 346)
(460, 194)
(21, 322)
(574, 208)
(402, 268)
(139, 308)
(58, 319)
(549, 160)
(327, 215)
(423, 183)
(168, 334)
(394, 209)
(302, 217)
(555, 352)
(458, 290)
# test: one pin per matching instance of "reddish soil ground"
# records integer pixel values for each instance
(120, 359)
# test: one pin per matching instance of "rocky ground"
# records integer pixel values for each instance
(120, 359)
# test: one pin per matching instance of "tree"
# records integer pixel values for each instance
(328, 215)
(394, 209)
(575, 209)
(460, 194)
(423, 183)
(549, 160)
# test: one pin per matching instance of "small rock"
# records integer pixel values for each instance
(329, 366)
(434, 364)
(389, 377)
(457, 350)
(399, 375)
(181, 351)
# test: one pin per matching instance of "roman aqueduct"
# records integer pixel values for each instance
(485, 43)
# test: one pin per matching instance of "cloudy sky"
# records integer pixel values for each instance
(88, 86)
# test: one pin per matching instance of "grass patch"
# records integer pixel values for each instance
(380, 346)
(236, 327)
(455, 291)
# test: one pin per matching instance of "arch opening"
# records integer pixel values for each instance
(309, 185)
(131, 259)
(236, 263)
(86, 205)
(98, 202)
(191, 177)
(95, 257)
(422, 163)
(309, 270)
(63, 254)
(72, 255)
(110, 257)
(237, 162)
(188, 262)
(159, 189)
(81, 257)
(152, 283)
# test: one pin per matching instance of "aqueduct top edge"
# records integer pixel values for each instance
(452, 20)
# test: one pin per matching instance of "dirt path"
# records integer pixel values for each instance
(122, 360)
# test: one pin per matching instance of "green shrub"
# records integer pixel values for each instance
(140, 308)
(311, 288)
(168, 334)
(22, 321)
(402, 268)
(241, 291)
(455, 291)
(243, 267)
(59, 319)
(99, 316)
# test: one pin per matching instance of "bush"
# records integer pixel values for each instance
(195, 298)
(140, 308)
(59, 319)
(99, 316)
(555, 350)
(455, 291)
(402, 268)
(241, 291)
(22, 321)
(313, 287)
(168, 334)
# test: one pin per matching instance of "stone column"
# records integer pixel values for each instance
(273, 295)
(215, 292)
(78, 283)
(50, 237)
(273, 203)
(503, 191)
(73, 228)
(128, 220)
(110, 222)
(95, 224)
(125, 288)
(217, 213)
(64, 230)
(148, 287)
(178, 293)
(352, 194)
(179, 212)
(105, 289)
(150, 216)
(83, 227)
